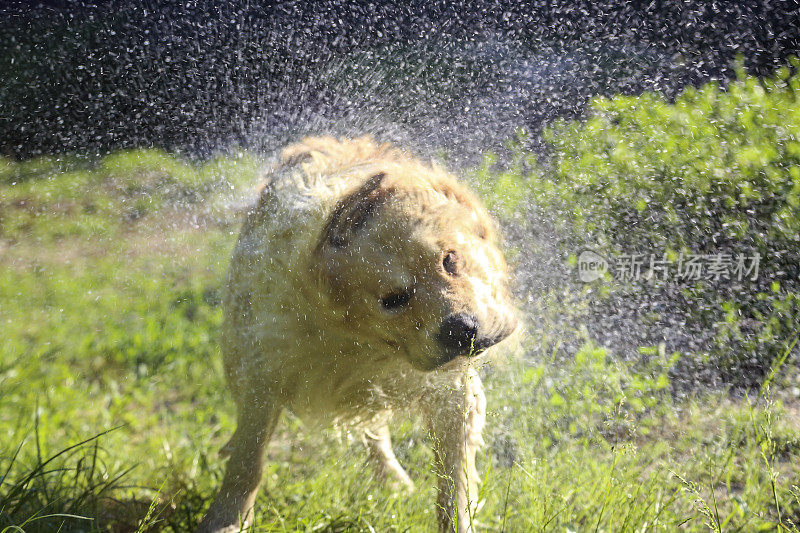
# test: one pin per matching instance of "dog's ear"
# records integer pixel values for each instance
(353, 212)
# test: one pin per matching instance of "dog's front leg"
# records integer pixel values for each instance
(457, 418)
(232, 508)
(379, 447)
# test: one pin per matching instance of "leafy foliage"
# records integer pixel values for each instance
(716, 165)
(716, 172)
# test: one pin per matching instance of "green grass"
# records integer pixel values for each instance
(113, 407)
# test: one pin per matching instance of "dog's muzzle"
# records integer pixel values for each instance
(459, 335)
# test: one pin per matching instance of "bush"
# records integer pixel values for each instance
(590, 396)
(716, 173)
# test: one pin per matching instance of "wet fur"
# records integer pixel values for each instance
(302, 331)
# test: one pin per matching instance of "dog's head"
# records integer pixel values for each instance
(411, 261)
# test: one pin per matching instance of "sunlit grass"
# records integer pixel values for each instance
(113, 407)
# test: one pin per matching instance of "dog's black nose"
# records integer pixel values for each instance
(458, 332)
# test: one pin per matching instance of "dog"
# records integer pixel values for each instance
(364, 282)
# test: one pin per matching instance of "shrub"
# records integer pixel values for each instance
(717, 171)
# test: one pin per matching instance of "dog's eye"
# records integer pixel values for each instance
(396, 300)
(450, 263)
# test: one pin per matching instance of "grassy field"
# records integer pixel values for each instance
(113, 407)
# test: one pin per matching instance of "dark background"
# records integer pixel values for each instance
(201, 76)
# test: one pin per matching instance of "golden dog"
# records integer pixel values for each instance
(363, 282)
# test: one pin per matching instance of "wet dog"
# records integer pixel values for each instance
(364, 282)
